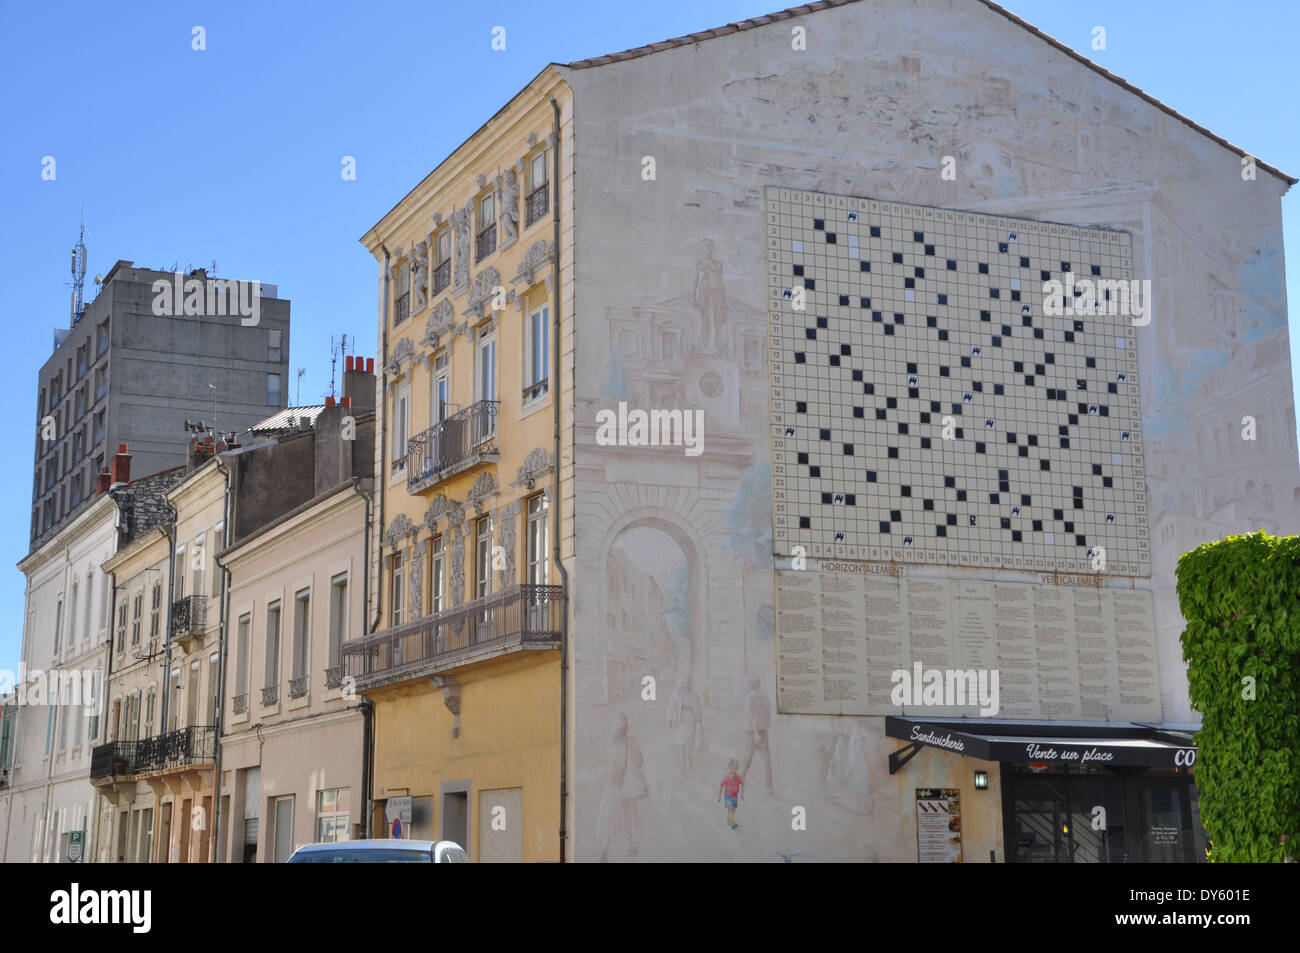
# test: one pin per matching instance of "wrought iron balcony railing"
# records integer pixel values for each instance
(189, 616)
(298, 686)
(175, 749)
(402, 308)
(442, 276)
(239, 704)
(538, 202)
(270, 694)
(485, 243)
(334, 676)
(520, 615)
(452, 446)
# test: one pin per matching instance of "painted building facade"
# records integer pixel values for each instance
(461, 656)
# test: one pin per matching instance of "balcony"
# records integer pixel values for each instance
(270, 694)
(402, 308)
(442, 276)
(485, 243)
(334, 676)
(462, 441)
(524, 616)
(189, 617)
(176, 750)
(239, 704)
(298, 686)
(538, 203)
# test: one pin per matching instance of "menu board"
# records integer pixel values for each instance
(1075, 653)
(938, 825)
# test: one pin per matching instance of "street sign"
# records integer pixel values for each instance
(74, 845)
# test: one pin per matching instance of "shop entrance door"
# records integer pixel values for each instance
(1162, 813)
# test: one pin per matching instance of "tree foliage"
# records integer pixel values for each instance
(1241, 599)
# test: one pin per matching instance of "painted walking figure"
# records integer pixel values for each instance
(758, 724)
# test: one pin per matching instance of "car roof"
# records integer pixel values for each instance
(384, 843)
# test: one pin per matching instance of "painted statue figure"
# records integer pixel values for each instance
(685, 721)
(758, 724)
(624, 786)
(710, 298)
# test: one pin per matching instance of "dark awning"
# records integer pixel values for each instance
(1052, 742)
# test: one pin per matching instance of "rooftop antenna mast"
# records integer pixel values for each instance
(338, 346)
(301, 372)
(79, 274)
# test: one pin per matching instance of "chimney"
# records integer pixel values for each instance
(345, 402)
(201, 451)
(103, 481)
(329, 401)
(347, 363)
(359, 383)
(121, 472)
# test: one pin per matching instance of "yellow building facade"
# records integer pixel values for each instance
(462, 659)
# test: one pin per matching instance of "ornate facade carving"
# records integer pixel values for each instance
(485, 485)
(460, 223)
(538, 463)
(419, 276)
(416, 587)
(539, 253)
(401, 354)
(457, 558)
(398, 530)
(439, 322)
(485, 284)
(508, 199)
(506, 519)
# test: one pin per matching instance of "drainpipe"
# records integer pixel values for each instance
(103, 699)
(555, 493)
(367, 709)
(383, 449)
(220, 701)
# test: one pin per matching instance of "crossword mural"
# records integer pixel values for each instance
(952, 388)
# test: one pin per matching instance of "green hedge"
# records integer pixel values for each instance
(1241, 599)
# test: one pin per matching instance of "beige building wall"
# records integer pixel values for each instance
(293, 737)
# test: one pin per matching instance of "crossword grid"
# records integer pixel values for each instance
(912, 315)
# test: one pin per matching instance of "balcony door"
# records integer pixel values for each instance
(485, 423)
(283, 828)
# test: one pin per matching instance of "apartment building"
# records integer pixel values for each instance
(461, 658)
(152, 350)
(822, 420)
(154, 773)
(293, 741)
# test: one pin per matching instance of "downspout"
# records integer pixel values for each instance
(555, 493)
(103, 696)
(219, 705)
(171, 594)
(367, 709)
(382, 475)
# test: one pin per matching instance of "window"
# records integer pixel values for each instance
(155, 605)
(121, 625)
(192, 691)
(486, 241)
(243, 639)
(273, 347)
(135, 716)
(487, 367)
(442, 257)
(49, 729)
(536, 353)
(402, 293)
(332, 815)
(338, 617)
(65, 712)
(150, 708)
(272, 645)
(137, 609)
(283, 832)
(273, 390)
(198, 561)
(538, 171)
(96, 703)
(58, 622)
(439, 408)
(401, 425)
(218, 540)
(539, 565)
(72, 615)
(90, 598)
(438, 574)
(301, 632)
(482, 557)
(397, 588)
(178, 577)
(173, 703)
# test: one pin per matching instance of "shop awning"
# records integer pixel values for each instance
(1105, 744)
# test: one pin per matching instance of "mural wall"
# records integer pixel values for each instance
(674, 643)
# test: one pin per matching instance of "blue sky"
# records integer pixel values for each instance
(233, 154)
